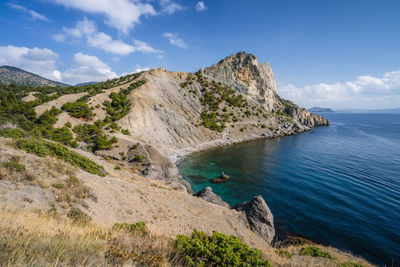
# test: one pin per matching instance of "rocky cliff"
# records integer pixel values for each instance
(243, 72)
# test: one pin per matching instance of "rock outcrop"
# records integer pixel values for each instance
(259, 217)
(223, 178)
(245, 74)
(208, 195)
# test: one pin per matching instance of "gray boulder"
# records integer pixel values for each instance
(208, 195)
(259, 217)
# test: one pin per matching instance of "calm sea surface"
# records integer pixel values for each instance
(337, 185)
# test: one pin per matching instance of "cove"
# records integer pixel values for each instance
(336, 185)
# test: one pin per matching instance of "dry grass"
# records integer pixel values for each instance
(30, 239)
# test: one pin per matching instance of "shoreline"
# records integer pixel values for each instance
(180, 155)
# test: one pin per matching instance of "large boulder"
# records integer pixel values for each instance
(259, 217)
(208, 195)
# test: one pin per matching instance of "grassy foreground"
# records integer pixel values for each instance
(29, 239)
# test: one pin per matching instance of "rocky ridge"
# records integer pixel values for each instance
(9, 75)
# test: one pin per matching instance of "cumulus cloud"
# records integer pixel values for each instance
(32, 13)
(364, 92)
(200, 6)
(105, 42)
(87, 68)
(174, 39)
(120, 14)
(145, 48)
(170, 7)
(87, 29)
(41, 61)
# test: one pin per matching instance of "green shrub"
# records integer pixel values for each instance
(49, 116)
(350, 264)
(78, 109)
(217, 250)
(314, 252)
(117, 168)
(263, 126)
(284, 253)
(14, 165)
(68, 124)
(125, 132)
(114, 140)
(131, 227)
(11, 133)
(78, 216)
(140, 158)
(44, 148)
(62, 135)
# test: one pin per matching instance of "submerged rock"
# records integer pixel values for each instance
(223, 178)
(259, 217)
(208, 195)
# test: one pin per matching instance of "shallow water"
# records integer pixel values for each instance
(337, 185)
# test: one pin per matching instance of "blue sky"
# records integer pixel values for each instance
(331, 53)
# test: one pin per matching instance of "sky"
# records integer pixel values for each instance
(326, 53)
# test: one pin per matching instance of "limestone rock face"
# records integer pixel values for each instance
(305, 117)
(208, 195)
(245, 74)
(259, 217)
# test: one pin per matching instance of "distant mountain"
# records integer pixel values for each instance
(318, 109)
(18, 76)
(87, 83)
(354, 110)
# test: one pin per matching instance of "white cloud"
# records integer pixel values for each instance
(120, 14)
(32, 13)
(175, 40)
(87, 69)
(145, 48)
(170, 7)
(200, 6)
(41, 61)
(105, 42)
(87, 29)
(364, 92)
(82, 28)
(58, 38)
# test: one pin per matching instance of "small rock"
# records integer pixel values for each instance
(223, 178)
(208, 195)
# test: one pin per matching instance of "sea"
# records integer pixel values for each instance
(337, 185)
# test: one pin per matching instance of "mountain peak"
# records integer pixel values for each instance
(244, 73)
(10, 74)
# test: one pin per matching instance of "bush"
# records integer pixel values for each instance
(140, 158)
(14, 165)
(11, 133)
(78, 109)
(78, 216)
(125, 132)
(49, 116)
(314, 252)
(284, 253)
(63, 135)
(217, 250)
(44, 148)
(131, 227)
(350, 264)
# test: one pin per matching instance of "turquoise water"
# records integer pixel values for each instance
(337, 185)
